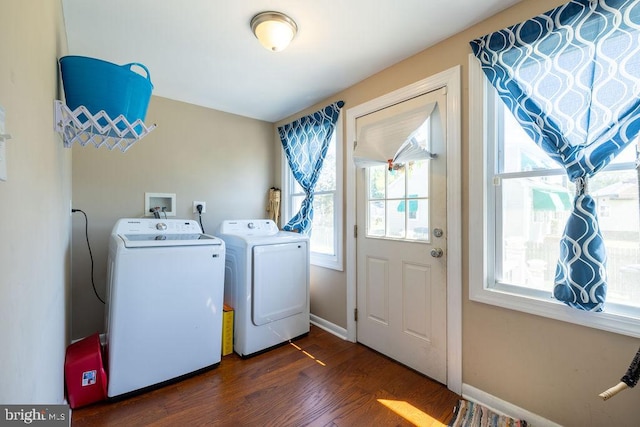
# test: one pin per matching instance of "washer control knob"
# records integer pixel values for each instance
(161, 226)
(251, 225)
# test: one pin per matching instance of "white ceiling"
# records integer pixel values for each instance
(203, 52)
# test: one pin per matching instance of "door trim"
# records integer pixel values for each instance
(451, 80)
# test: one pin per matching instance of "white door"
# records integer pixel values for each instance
(401, 233)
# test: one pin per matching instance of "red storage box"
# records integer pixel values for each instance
(84, 374)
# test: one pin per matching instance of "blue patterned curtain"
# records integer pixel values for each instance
(305, 143)
(571, 77)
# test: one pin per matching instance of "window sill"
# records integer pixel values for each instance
(326, 261)
(607, 321)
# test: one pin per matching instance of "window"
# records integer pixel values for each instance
(326, 235)
(398, 201)
(521, 200)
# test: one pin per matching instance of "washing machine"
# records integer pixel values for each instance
(266, 282)
(163, 317)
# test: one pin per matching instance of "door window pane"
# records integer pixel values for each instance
(398, 204)
(376, 181)
(376, 219)
(396, 184)
(417, 224)
(418, 179)
(395, 218)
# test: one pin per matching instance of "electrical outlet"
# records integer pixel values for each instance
(195, 207)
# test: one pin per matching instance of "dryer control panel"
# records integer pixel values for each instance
(249, 227)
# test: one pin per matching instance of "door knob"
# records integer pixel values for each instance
(437, 252)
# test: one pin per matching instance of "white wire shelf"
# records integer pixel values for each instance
(99, 130)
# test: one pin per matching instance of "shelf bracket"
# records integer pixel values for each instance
(100, 130)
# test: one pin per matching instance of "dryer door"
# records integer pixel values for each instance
(280, 281)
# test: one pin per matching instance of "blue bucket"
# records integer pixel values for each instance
(101, 85)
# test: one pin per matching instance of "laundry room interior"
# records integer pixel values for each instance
(526, 365)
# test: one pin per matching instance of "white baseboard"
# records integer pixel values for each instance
(332, 328)
(505, 408)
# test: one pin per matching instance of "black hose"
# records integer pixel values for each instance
(86, 234)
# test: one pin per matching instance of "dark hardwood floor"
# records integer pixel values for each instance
(318, 380)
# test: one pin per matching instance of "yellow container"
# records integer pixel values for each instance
(227, 330)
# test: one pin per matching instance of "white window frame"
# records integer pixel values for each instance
(481, 259)
(334, 262)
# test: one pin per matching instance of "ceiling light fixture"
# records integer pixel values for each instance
(274, 30)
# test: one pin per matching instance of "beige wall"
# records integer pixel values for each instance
(197, 153)
(551, 368)
(35, 216)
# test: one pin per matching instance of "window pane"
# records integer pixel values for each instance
(327, 178)
(376, 177)
(520, 153)
(297, 203)
(395, 183)
(418, 179)
(322, 238)
(376, 220)
(395, 219)
(616, 196)
(297, 189)
(627, 155)
(418, 220)
(534, 213)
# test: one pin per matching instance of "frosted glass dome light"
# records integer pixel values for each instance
(274, 30)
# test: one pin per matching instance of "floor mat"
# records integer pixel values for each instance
(471, 414)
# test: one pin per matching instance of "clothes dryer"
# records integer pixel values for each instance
(266, 283)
